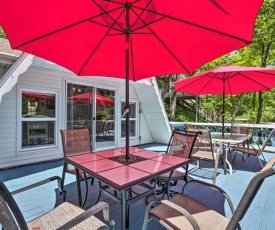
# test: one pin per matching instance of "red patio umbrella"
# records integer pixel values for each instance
(228, 80)
(37, 95)
(86, 98)
(128, 38)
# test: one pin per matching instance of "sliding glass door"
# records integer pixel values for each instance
(92, 108)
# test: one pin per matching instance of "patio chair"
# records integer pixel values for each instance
(240, 129)
(183, 212)
(251, 150)
(100, 129)
(204, 150)
(110, 127)
(180, 144)
(64, 216)
(189, 126)
(75, 142)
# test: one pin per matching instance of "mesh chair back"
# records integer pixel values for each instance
(189, 126)
(10, 213)
(76, 141)
(251, 192)
(240, 129)
(204, 142)
(181, 144)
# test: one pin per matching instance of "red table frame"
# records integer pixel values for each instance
(122, 177)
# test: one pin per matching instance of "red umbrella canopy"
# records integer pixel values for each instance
(37, 95)
(231, 79)
(130, 39)
(163, 37)
(87, 97)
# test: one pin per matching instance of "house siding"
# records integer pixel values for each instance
(154, 114)
(152, 121)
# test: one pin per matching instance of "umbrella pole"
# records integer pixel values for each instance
(127, 83)
(223, 111)
(127, 106)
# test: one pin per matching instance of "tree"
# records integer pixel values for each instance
(263, 44)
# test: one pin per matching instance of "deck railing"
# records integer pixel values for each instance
(258, 132)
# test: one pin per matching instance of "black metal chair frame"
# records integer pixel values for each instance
(84, 178)
(251, 148)
(167, 182)
(238, 213)
(11, 217)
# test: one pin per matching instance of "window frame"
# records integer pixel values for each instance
(24, 150)
(130, 119)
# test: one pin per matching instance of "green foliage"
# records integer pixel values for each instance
(182, 113)
(2, 33)
(260, 53)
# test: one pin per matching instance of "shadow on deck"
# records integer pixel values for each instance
(40, 200)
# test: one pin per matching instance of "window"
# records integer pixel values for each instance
(133, 120)
(38, 119)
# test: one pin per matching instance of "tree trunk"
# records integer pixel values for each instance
(165, 88)
(237, 107)
(264, 55)
(173, 107)
(173, 104)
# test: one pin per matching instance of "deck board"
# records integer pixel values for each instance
(42, 199)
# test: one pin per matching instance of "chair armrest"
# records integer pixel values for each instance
(50, 179)
(184, 212)
(259, 147)
(101, 206)
(250, 147)
(215, 187)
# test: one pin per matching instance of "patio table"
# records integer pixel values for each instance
(226, 141)
(122, 176)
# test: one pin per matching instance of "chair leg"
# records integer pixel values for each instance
(198, 163)
(216, 168)
(243, 158)
(260, 161)
(92, 181)
(63, 181)
(234, 157)
(86, 190)
(263, 157)
(99, 193)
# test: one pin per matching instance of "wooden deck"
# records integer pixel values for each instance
(40, 200)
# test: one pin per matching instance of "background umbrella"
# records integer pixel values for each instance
(87, 97)
(128, 38)
(228, 80)
(37, 96)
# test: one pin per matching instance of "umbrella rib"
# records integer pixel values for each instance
(64, 28)
(104, 25)
(254, 80)
(192, 82)
(145, 25)
(164, 45)
(139, 16)
(107, 13)
(93, 52)
(196, 25)
(234, 74)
